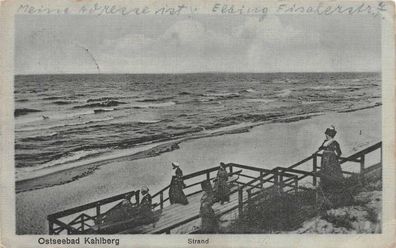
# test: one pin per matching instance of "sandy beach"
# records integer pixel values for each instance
(266, 146)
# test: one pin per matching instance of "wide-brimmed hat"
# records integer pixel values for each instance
(175, 164)
(331, 131)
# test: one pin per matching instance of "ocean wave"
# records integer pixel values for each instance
(71, 157)
(101, 99)
(97, 111)
(260, 100)
(42, 127)
(24, 111)
(62, 102)
(22, 100)
(183, 93)
(53, 97)
(148, 121)
(311, 102)
(154, 105)
(159, 99)
(250, 90)
(111, 103)
(236, 119)
(178, 127)
(44, 137)
(284, 93)
(331, 87)
(98, 120)
(222, 95)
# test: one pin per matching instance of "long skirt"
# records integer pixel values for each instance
(176, 194)
(332, 181)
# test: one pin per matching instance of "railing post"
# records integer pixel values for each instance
(82, 223)
(162, 200)
(50, 227)
(362, 158)
(137, 196)
(98, 217)
(249, 192)
(295, 179)
(276, 179)
(240, 202)
(281, 181)
(231, 169)
(314, 168)
(381, 153)
(261, 179)
(208, 176)
(362, 168)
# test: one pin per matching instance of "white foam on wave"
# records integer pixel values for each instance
(260, 100)
(148, 121)
(28, 173)
(154, 105)
(45, 135)
(24, 172)
(57, 116)
(222, 94)
(284, 93)
(43, 127)
(329, 87)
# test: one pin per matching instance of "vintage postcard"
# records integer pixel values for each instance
(215, 123)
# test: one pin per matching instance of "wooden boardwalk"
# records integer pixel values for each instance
(176, 213)
(248, 182)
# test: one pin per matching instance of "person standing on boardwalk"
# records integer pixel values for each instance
(222, 188)
(176, 194)
(331, 177)
(145, 211)
(209, 220)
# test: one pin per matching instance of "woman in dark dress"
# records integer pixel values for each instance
(176, 194)
(209, 220)
(331, 177)
(222, 188)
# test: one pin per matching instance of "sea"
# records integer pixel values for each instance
(62, 119)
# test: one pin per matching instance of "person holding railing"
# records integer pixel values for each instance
(222, 188)
(331, 177)
(176, 194)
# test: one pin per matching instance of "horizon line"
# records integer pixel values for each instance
(181, 73)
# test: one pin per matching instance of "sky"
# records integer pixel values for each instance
(200, 43)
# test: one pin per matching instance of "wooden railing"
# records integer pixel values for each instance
(295, 175)
(276, 177)
(84, 221)
(281, 179)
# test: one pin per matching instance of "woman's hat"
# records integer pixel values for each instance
(331, 131)
(144, 189)
(175, 164)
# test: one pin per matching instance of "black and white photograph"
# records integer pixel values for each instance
(246, 120)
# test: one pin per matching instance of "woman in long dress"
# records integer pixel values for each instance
(331, 177)
(176, 194)
(209, 220)
(222, 188)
